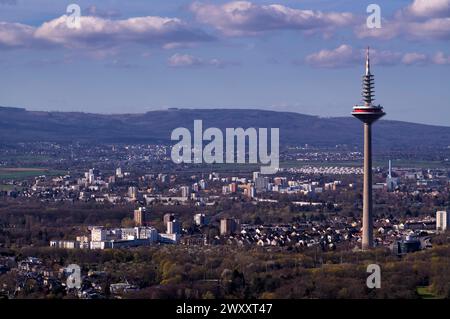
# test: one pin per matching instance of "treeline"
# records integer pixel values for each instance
(237, 272)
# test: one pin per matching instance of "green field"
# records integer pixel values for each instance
(425, 293)
(23, 173)
(25, 158)
(6, 187)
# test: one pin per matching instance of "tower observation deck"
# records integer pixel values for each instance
(368, 112)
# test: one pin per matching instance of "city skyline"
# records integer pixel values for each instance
(224, 156)
(220, 54)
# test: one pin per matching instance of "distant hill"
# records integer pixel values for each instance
(20, 125)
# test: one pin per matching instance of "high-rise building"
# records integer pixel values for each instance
(185, 191)
(368, 113)
(442, 221)
(200, 219)
(173, 227)
(261, 184)
(233, 188)
(139, 216)
(98, 234)
(168, 218)
(92, 175)
(132, 192)
(119, 172)
(229, 226)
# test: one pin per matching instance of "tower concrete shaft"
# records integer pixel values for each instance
(367, 236)
(368, 113)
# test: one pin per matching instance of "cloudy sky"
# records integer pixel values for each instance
(304, 56)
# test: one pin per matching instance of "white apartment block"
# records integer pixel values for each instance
(442, 220)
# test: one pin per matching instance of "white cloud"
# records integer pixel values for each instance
(441, 58)
(346, 56)
(414, 58)
(100, 33)
(15, 35)
(238, 18)
(437, 28)
(342, 56)
(178, 45)
(427, 9)
(185, 60)
(422, 19)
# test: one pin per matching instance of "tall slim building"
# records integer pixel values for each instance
(368, 113)
(173, 227)
(442, 221)
(200, 219)
(132, 192)
(185, 191)
(168, 218)
(261, 184)
(229, 226)
(139, 216)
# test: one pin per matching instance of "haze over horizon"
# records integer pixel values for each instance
(297, 56)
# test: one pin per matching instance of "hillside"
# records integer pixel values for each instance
(20, 125)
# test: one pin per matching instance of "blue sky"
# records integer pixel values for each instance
(304, 56)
